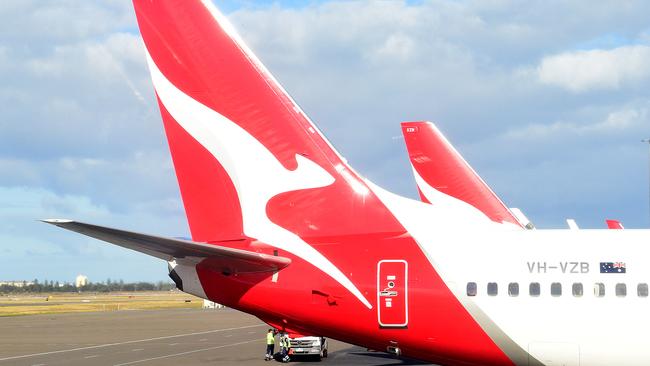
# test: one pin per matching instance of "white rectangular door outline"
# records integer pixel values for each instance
(390, 293)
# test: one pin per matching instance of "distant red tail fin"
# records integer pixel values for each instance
(614, 224)
(438, 163)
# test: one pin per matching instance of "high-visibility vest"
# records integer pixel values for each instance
(287, 342)
(270, 339)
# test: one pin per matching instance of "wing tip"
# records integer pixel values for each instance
(56, 221)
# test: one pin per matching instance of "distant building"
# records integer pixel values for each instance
(207, 304)
(16, 283)
(81, 281)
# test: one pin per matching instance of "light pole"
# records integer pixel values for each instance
(647, 141)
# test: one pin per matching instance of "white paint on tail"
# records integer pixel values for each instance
(255, 172)
(463, 211)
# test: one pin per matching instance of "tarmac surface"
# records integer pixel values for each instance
(153, 337)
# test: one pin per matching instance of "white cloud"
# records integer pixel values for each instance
(45, 22)
(40, 200)
(397, 47)
(52, 98)
(634, 117)
(645, 36)
(581, 71)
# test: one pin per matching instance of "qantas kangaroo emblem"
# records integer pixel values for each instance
(257, 176)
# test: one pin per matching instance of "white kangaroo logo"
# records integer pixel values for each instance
(255, 172)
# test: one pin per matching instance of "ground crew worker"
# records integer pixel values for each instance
(285, 343)
(270, 344)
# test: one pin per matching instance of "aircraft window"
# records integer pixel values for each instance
(642, 290)
(621, 290)
(513, 289)
(556, 289)
(599, 290)
(577, 289)
(534, 289)
(471, 289)
(493, 289)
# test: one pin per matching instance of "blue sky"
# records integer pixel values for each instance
(234, 5)
(547, 100)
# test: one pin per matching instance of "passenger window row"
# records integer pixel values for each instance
(577, 290)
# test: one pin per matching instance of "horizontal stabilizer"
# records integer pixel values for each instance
(523, 220)
(221, 258)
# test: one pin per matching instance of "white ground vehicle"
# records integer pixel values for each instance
(309, 346)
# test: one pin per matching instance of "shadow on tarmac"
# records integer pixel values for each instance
(361, 356)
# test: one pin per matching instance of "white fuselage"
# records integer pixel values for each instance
(564, 329)
(554, 329)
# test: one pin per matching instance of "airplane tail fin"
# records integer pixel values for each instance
(614, 224)
(236, 136)
(249, 162)
(441, 167)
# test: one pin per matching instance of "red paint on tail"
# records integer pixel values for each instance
(614, 224)
(444, 169)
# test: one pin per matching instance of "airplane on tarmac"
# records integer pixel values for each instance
(283, 228)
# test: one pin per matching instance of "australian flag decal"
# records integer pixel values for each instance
(612, 267)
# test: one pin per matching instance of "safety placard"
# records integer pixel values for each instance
(392, 293)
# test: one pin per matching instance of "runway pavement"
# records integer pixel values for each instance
(154, 337)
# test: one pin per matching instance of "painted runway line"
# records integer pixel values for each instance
(128, 342)
(187, 353)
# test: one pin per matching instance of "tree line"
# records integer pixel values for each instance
(106, 286)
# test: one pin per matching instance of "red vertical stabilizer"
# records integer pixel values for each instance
(614, 225)
(438, 163)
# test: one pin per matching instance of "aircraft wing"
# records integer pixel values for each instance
(219, 257)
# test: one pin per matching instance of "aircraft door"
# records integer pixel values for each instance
(392, 293)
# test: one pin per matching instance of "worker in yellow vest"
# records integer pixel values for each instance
(285, 343)
(270, 344)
